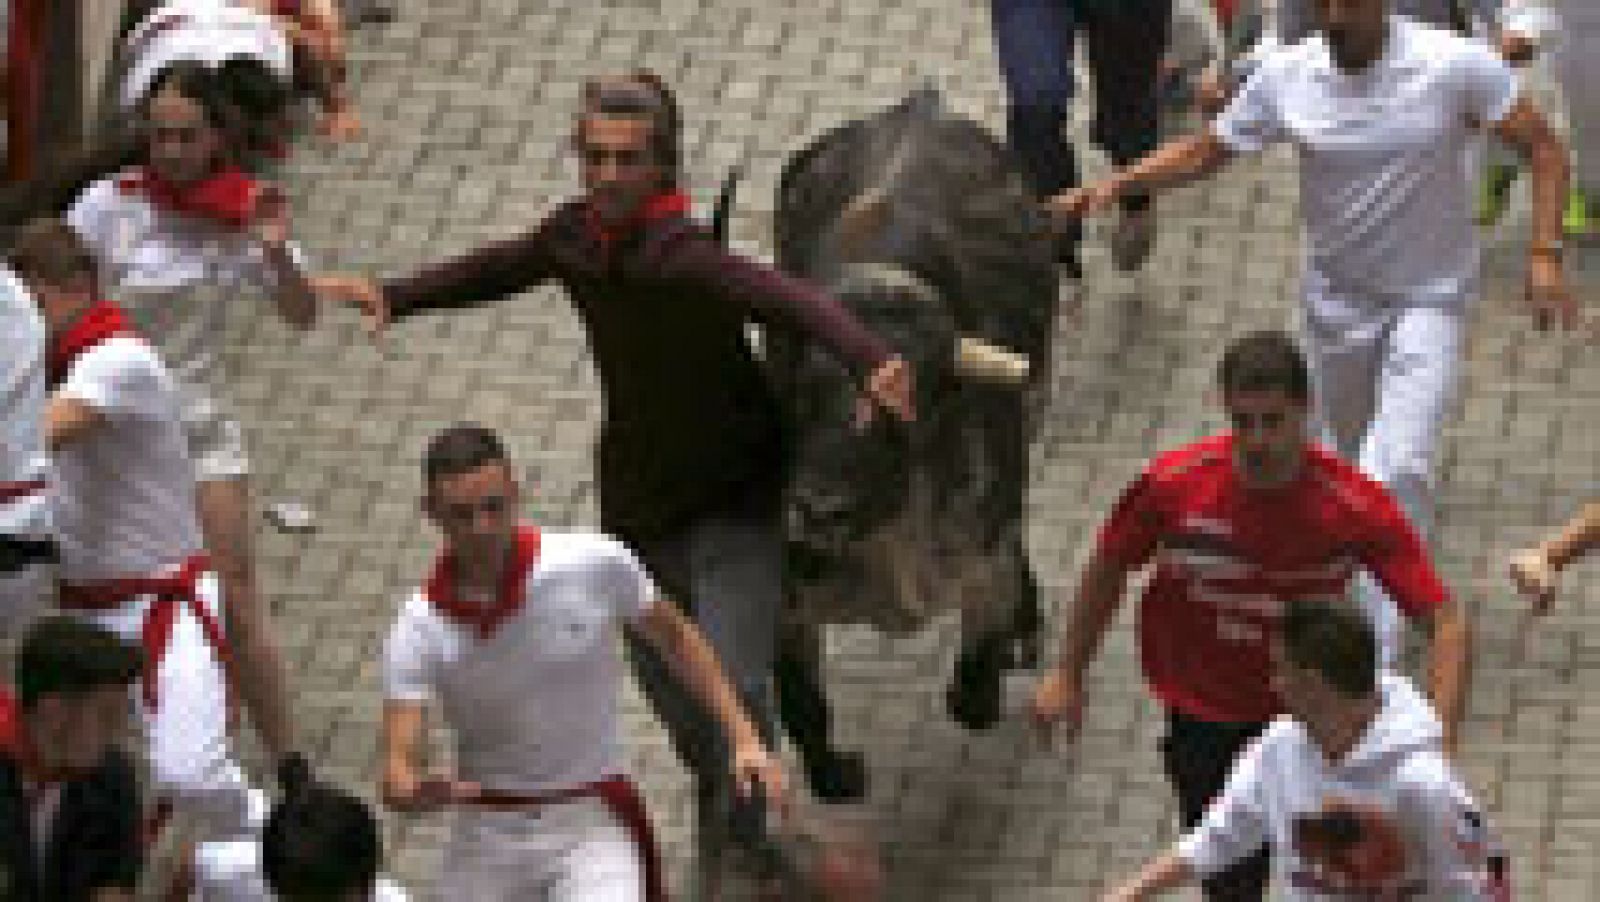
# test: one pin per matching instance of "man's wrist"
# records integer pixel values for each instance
(1552, 248)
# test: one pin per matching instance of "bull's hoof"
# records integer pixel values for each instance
(976, 692)
(838, 776)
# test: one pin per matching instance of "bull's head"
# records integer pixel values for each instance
(850, 474)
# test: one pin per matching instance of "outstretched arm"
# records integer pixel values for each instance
(1175, 163)
(1535, 569)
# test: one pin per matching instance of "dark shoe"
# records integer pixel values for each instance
(977, 688)
(1133, 239)
(837, 776)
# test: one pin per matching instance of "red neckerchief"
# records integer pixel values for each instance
(16, 745)
(229, 197)
(101, 321)
(665, 205)
(484, 619)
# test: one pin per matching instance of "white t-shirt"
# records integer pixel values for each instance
(1397, 772)
(22, 349)
(207, 31)
(1382, 152)
(124, 493)
(175, 275)
(533, 706)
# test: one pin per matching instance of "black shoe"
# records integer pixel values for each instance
(837, 776)
(976, 689)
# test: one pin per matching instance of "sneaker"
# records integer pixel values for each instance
(1579, 219)
(1494, 193)
(1133, 239)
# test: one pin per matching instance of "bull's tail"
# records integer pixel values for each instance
(723, 211)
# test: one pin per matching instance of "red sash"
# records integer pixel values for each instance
(229, 197)
(172, 592)
(102, 321)
(13, 491)
(616, 793)
(665, 205)
(440, 589)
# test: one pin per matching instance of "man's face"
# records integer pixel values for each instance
(1269, 433)
(1300, 690)
(620, 170)
(477, 512)
(59, 305)
(1354, 30)
(76, 731)
(184, 147)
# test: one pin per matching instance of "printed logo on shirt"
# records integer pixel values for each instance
(1353, 850)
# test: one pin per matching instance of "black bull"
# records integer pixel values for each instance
(920, 223)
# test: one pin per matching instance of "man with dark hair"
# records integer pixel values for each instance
(1384, 113)
(321, 844)
(125, 518)
(692, 452)
(1237, 525)
(512, 635)
(69, 800)
(1351, 789)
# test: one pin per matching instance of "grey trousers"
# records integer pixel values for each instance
(725, 571)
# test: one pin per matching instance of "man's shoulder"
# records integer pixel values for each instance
(582, 548)
(1345, 485)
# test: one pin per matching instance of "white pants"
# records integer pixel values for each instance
(24, 595)
(576, 851)
(1384, 376)
(187, 745)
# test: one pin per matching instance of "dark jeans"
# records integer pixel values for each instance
(725, 570)
(1035, 40)
(1199, 755)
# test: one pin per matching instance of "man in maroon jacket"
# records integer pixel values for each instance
(691, 456)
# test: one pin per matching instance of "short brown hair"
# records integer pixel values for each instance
(1334, 640)
(1267, 360)
(47, 251)
(644, 94)
(67, 656)
(462, 448)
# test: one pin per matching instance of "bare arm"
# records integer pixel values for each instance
(1178, 162)
(1535, 569)
(1060, 694)
(686, 651)
(1169, 871)
(68, 419)
(1527, 130)
(1449, 667)
(404, 729)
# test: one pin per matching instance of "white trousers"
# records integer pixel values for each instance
(186, 735)
(576, 851)
(1384, 377)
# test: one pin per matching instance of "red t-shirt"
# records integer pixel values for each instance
(1228, 556)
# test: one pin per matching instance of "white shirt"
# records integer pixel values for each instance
(533, 706)
(207, 31)
(1382, 152)
(1397, 768)
(124, 493)
(176, 276)
(22, 338)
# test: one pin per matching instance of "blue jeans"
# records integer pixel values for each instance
(1035, 40)
(725, 570)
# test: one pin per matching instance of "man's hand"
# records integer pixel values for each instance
(1089, 200)
(1517, 49)
(1548, 294)
(340, 123)
(271, 222)
(418, 796)
(755, 770)
(1056, 699)
(892, 387)
(360, 292)
(1211, 91)
(1535, 578)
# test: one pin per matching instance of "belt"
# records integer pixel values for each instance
(169, 593)
(619, 795)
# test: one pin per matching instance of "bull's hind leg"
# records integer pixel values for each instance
(1027, 621)
(803, 710)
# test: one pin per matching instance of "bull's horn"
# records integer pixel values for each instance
(983, 361)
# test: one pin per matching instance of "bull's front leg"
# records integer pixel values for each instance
(803, 710)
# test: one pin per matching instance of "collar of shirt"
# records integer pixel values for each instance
(442, 592)
(98, 323)
(665, 205)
